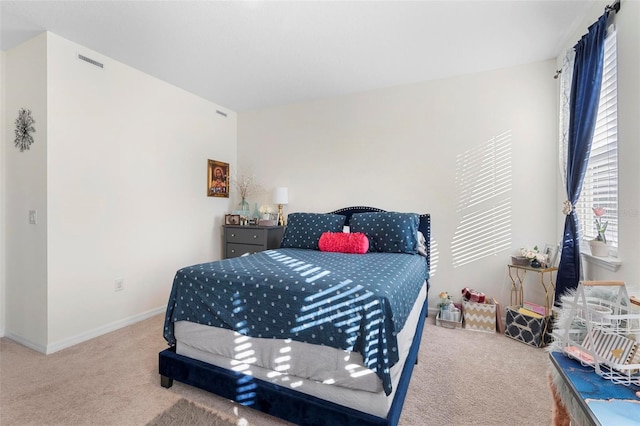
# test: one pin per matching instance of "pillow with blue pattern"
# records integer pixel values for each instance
(304, 229)
(388, 232)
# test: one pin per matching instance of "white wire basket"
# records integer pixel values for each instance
(603, 334)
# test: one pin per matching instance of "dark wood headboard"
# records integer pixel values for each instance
(424, 226)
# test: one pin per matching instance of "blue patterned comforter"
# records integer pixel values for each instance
(346, 301)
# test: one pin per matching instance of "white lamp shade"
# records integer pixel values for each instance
(281, 196)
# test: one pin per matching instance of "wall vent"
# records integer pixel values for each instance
(89, 60)
(224, 114)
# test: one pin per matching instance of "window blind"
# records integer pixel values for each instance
(600, 186)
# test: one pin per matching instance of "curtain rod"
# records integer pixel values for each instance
(613, 7)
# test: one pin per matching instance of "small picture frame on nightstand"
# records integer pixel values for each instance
(552, 252)
(232, 219)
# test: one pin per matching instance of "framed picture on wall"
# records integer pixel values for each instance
(217, 179)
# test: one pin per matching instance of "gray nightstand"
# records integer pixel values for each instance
(239, 240)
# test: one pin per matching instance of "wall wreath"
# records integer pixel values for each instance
(24, 127)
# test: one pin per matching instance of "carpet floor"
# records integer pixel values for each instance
(462, 378)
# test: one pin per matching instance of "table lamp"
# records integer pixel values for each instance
(281, 197)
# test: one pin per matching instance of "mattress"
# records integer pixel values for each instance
(345, 301)
(328, 373)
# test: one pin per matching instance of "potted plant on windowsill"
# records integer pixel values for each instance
(599, 246)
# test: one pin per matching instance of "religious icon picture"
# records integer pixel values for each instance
(217, 179)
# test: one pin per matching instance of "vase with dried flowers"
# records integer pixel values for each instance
(598, 245)
(246, 185)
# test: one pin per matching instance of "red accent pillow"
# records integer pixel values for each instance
(344, 242)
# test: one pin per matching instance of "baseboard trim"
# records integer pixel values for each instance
(25, 342)
(71, 341)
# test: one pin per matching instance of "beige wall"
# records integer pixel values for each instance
(124, 164)
(25, 174)
(414, 148)
(3, 144)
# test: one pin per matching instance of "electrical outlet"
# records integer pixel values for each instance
(118, 284)
(33, 217)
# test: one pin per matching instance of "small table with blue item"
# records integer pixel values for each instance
(601, 401)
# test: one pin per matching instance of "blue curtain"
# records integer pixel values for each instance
(583, 110)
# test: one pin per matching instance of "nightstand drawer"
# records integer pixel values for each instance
(239, 240)
(246, 236)
(236, 250)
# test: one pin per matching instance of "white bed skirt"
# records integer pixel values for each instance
(330, 374)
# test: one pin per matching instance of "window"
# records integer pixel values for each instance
(600, 186)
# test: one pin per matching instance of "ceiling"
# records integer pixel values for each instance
(246, 55)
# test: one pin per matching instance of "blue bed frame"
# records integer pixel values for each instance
(283, 402)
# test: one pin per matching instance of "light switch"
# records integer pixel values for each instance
(33, 217)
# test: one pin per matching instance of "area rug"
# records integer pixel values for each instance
(185, 413)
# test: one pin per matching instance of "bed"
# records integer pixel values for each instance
(315, 337)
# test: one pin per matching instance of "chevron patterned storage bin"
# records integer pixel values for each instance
(479, 316)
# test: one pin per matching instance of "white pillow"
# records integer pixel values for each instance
(422, 244)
